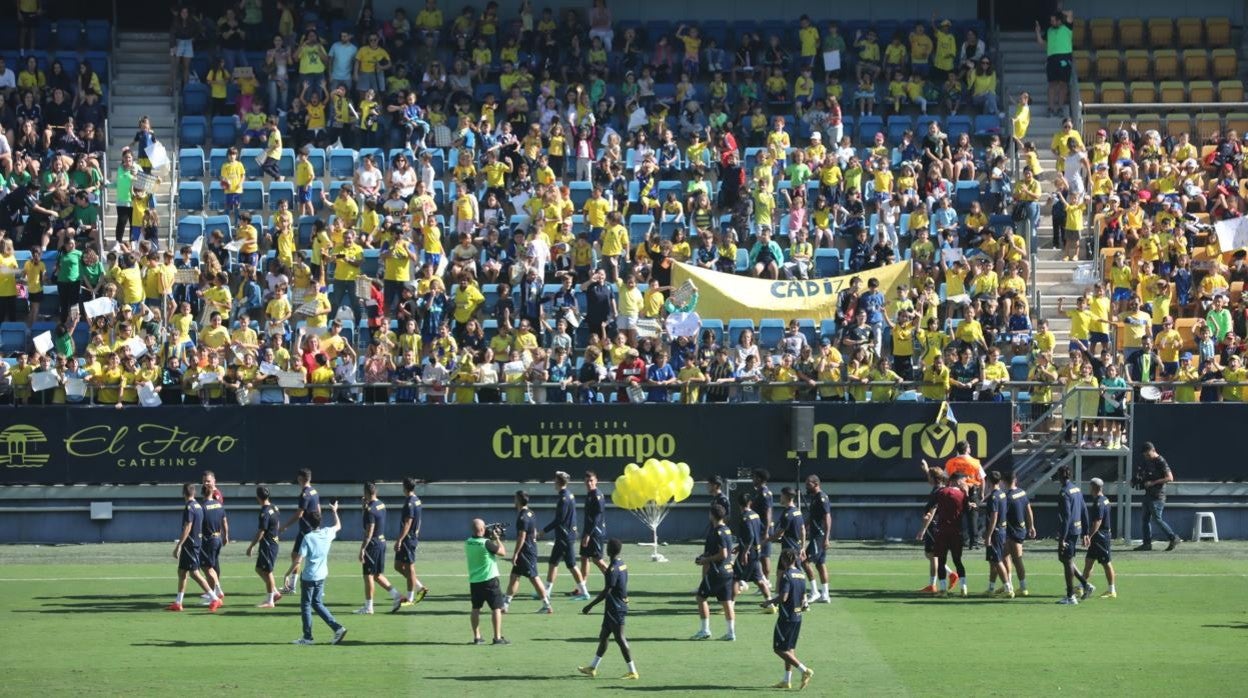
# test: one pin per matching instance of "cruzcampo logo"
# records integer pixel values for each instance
(23, 446)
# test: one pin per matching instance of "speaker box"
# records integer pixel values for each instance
(802, 429)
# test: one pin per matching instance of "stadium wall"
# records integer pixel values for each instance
(349, 443)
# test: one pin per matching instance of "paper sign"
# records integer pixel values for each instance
(682, 295)
(136, 346)
(268, 369)
(208, 378)
(831, 60)
(43, 342)
(684, 324)
(1232, 234)
(43, 380)
(950, 255)
(244, 72)
(148, 396)
(647, 327)
(99, 307)
(513, 368)
(186, 276)
(75, 387)
(290, 379)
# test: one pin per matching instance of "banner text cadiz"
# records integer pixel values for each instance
(853, 442)
(729, 296)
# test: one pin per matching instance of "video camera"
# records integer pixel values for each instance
(496, 530)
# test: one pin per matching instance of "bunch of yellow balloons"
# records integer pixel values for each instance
(657, 481)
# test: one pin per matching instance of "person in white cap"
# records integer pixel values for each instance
(1100, 534)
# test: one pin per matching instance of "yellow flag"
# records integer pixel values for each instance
(728, 296)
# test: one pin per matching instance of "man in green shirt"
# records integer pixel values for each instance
(1058, 42)
(482, 550)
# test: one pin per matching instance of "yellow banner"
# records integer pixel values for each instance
(728, 296)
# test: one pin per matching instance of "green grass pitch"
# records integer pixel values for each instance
(91, 618)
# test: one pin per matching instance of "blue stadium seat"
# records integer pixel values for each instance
(193, 131)
(342, 163)
(216, 158)
(248, 156)
(770, 332)
(286, 163)
(253, 196)
(190, 228)
(305, 224)
(195, 98)
(99, 35)
(736, 326)
(827, 261)
(372, 262)
(987, 125)
(956, 126)
(807, 327)
(743, 260)
(191, 196)
(827, 329)
(638, 227)
(580, 192)
(279, 191)
(191, 162)
(13, 337)
(1019, 368)
(897, 125)
(964, 194)
(379, 157)
(335, 187)
(221, 223)
(716, 326)
(868, 126)
(216, 196)
(224, 131)
(921, 125)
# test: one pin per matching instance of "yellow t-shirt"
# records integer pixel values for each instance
(232, 176)
(368, 58)
(350, 253)
(432, 236)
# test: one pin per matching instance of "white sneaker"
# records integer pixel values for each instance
(825, 599)
(1088, 589)
(701, 635)
(303, 641)
(205, 597)
(340, 633)
(1069, 601)
(363, 611)
(728, 637)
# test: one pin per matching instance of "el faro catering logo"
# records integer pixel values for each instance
(23, 446)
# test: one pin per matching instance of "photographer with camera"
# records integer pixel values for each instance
(1152, 477)
(482, 549)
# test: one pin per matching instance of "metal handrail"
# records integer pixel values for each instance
(1075, 100)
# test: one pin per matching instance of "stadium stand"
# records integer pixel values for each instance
(428, 185)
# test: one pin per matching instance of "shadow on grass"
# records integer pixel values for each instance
(582, 640)
(690, 688)
(1242, 625)
(526, 678)
(184, 644)
(98, 597)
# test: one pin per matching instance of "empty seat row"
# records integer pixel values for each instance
(1163, 64)
(1158, 32)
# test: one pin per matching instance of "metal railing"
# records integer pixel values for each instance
(1075, 100)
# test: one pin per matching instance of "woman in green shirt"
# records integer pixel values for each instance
(68, 272)
(125, 176)
(92, 275)
(85, 174)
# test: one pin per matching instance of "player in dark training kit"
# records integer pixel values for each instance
(615, 594)
(715, 488)
(1020, 524)
(1100, 536)
(945, 515)
(564, 526)
(309, 503)
(994, 538)
(266, 539)
(747, 568)
(791, 600)
(216, 536)
(594, 538)
(1072, 527)
(186, 551)
(933, 476)
(524, 564)
(791, 533)
(818, 534)
(405, 547)
(717, 578)
(373, 551)
(762, 504)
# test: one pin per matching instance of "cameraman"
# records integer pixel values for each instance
(482, 550)
(1152, 477)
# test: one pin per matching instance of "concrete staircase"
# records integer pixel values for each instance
(143, 87)
(1023, 70)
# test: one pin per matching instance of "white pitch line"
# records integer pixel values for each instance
(636, 574)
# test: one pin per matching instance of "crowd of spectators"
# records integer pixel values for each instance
(535, 295)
